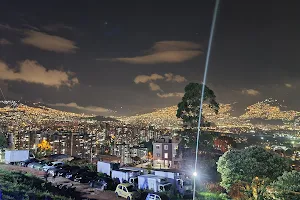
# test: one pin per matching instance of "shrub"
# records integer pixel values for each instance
(215, 188)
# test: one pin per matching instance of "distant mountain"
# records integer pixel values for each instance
(165, 117)
(267, 112)
(36, 109)
(270, 109)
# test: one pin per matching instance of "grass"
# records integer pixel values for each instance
(211, 196)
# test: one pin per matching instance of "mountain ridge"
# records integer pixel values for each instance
(268, 112)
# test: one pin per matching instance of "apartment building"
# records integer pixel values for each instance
(165, 154)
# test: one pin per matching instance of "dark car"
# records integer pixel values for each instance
(64, 170)
(26, 162)
(85, 177)
(103, 182)
(75, 172)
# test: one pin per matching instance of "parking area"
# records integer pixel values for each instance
(84, 189)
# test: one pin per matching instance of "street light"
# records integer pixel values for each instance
(195, 174)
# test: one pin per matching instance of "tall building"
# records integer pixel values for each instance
(165, 154)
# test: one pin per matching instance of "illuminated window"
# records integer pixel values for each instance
(166, 155)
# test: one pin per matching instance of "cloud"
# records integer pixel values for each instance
(48, 42)
(56, 27)
(31, 27)
(154, 87)
(250, 92)
(288, 85)
(175, 78)
(9, 28)
(165, 52)
(4, 41)
(145, 78)
(167, 95)
(93, 109)
(169, 77)
(32, 72)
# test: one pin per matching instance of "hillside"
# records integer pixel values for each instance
(165, 117)
(267, 112)
(34, 111)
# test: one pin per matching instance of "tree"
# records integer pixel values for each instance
(3, 141)
(188, 108)
(224, 143)
(249, 164)
(188, 111)
(44, 145)
(44, 148)
(287, 186)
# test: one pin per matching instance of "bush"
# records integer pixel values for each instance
(215, 188)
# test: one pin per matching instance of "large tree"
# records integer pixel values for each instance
(244, 166)
(3, 141)
(188, 110)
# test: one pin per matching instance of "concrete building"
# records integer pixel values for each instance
(165, 153)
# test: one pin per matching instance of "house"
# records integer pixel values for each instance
(165, 153)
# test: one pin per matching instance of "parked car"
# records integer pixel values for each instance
(86, 177)
(63, 170)
(26, 162)
(31, 165)
(127, 191)
(38, 166)
(74, 172)
(103, 182)
(53, 171)
(50, 165)
(153, 196)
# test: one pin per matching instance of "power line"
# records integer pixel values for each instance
(203, 89)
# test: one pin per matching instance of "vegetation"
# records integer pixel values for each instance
(287, 186)
(211, 196)
(3, 141)
(188, 111)
(224, 143)
(188, 108)
(148, 145)
(44, 149)
(14, 185)
(249, 171)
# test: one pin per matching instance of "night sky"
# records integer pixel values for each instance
(127, 57)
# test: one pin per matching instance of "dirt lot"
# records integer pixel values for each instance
(84, 189)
